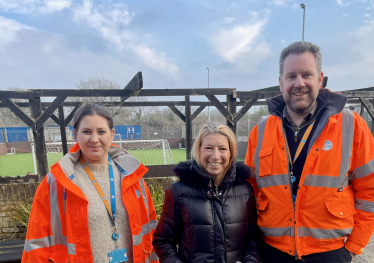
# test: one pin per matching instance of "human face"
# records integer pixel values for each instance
(215, 156)
(94, 137)
(300, 82)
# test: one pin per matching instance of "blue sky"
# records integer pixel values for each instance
(57, 43)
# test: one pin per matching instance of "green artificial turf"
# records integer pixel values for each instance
(22, 163)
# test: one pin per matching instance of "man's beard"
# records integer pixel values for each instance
(296, 106)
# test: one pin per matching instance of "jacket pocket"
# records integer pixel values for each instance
(340, 208)
(266, 160)
(261, 205)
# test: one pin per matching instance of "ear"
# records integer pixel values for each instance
(75, 134)
(280, 84)
(113, 132)
(320, 79)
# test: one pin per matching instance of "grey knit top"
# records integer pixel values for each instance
(99, 222)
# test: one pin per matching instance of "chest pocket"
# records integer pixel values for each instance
(266, 160)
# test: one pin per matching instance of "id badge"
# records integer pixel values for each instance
(118, 255)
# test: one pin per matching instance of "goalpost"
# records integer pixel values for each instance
(148, 152)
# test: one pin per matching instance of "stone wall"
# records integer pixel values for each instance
(11, 197)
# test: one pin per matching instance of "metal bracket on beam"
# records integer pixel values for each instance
(221, 108)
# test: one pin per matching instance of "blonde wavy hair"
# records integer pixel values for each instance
(214, 128)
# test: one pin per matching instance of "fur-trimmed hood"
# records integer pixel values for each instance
(190, 173)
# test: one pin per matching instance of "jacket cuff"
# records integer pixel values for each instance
(353, 247)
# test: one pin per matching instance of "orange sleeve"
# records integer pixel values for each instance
(249, 157)
(362, 182)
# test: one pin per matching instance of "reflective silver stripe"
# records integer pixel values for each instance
(57, 238)
(273, 180)
(45, 242)
(363, 205)
(37, 243)
(363, 170)
(345, 162)
(347, 141)
(144, 193)
(260, 130)
(154, 256)
(278, 231)
(326, 181)
(137, 239)
(319, 233)
(153, 224)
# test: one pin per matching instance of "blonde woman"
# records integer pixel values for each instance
(210, 214)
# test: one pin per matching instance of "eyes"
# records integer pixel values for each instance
(304, 76)
(219, 148)
(89, 132)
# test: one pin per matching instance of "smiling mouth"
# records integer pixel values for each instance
(297, 94)
(214, 164)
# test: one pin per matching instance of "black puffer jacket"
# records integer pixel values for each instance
(206, 223)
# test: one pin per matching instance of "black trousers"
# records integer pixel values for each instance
(270, 254)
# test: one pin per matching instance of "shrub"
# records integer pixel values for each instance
(157, 194)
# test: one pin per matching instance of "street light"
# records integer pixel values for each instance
(303, 7)
(209, 101)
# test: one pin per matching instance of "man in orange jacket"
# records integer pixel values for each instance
(314, 168)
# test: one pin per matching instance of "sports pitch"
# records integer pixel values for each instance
(21, 164)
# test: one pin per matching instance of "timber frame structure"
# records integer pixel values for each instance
(41, 111)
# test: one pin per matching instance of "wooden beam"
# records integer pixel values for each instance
(49, 111)
(244, 109)
(19, 113)
(358, 94)
(231, 108)
(135, 84)
(221, 108)
(16, 94)
(55, 119)
(62, 129)
(178, 113)
(39, 140)
(124, 93)
(257, 94)
(369, 107)
(71, 115)
(188, 127)
(197, 112)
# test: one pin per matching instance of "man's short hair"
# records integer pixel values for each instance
(300, 47)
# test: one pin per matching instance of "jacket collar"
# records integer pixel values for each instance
(189, 172)
(335, 102)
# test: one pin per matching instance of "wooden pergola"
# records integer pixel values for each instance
(41, 111)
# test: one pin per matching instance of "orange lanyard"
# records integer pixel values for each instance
(299, 149)
(96, 184)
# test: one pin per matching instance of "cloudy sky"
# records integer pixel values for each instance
(51, 44)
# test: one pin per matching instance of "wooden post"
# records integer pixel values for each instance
(61, 118)
(41, 156)
(187, 115)
(231, 107)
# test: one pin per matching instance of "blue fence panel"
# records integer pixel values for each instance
(2, 140)
(17, 134)
(128, 132)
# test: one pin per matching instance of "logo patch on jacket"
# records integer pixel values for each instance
(327, 146)
(137, 193)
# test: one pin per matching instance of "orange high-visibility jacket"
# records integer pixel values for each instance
(335, 199)
(58, 227)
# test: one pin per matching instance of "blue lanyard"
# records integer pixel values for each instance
(112, 190)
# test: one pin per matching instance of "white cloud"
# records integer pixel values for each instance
(112, 21)
(279, 2)
(9, 29)
(228, 20)
(340, 3)
(283, 41)
(241, 45)
(367, 15)
(346, 15)
(34, 6)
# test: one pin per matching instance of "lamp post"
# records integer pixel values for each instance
(209, 101)
(303, 7)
